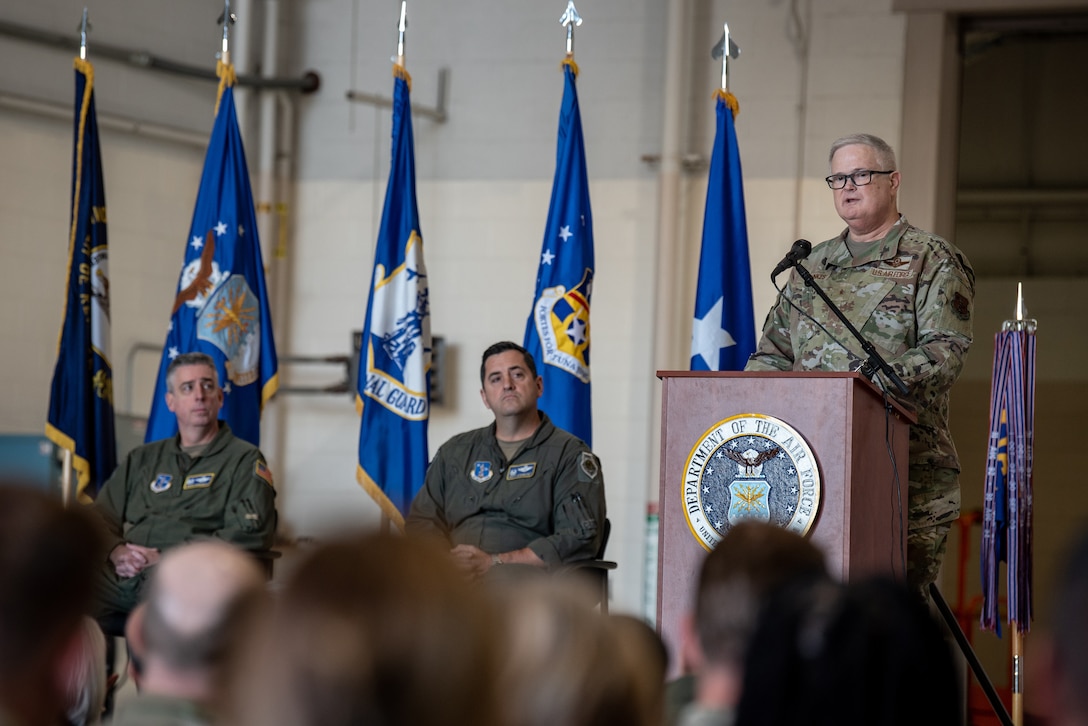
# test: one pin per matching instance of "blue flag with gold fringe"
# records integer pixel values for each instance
(393, 387)
(81, 400)
(557, 333)
(723, 332)
(221, 305)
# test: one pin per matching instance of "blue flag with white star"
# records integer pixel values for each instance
(81, 399)
(221, 305)
(393, 388)
(723, 332)
(557, 333)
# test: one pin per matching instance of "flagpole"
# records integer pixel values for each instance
(1018, 324)
(402, 26)
(227, 20)
(83, 36)
(570, 18)
(66, 473)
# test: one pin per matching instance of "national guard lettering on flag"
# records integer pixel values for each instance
(221, 304)
(557, 333)
(393, 387)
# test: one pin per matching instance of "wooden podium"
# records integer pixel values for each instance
(859, 523)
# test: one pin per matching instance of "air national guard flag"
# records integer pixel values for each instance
(395, 359)
(81, 402)
(221, 306)
(723, 333)
(557, 333)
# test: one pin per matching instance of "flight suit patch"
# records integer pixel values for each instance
(481, 472)
(590, 467)
(198, 481)
(161, 483)
(261, 470)
(521, 471)
(961, 307)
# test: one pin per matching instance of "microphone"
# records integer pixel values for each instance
(800, 250)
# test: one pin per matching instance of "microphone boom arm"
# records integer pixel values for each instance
(875, 360)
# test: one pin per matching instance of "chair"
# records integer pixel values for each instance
(596, 569)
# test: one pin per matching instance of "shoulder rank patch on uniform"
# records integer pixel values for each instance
(261, 470)
(521, 471)
(961, 307)
(198, 481)
(590, 466)
(481, 472)
(161, 483)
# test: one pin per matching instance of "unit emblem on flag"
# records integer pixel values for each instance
(398, 354)
(161, 483)
(750, 467)
(562, 322)
(230, 320)
(481, 471)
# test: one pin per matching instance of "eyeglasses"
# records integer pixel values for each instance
(858, 178)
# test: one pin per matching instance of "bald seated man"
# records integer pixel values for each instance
(200, 598)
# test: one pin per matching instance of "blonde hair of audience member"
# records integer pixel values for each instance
(371, 629)
(83, 675)
(184, 633)
(565, 664)
(48, 560)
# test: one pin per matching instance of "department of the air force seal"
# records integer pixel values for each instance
(750, 466)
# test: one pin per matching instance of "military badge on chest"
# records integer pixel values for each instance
(750, 466)
(161, 483)
(481, 472)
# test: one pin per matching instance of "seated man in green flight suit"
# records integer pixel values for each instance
(203, 482)
(518, 492)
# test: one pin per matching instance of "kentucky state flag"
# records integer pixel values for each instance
(395, 359)
(557, 333)
(723, 332)
(81, 401)
(221, 306)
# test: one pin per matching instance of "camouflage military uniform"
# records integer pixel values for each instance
(911, 296)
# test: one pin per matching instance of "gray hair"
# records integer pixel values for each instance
(885, 155)
(190, 359)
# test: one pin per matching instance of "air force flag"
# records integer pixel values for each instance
(557, 333)
(221, 305)
(723, 332)
(395, 361)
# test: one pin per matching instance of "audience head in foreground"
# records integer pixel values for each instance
(565, 663)
(863, 654)
(749, 565)
(48, 560)
(372, 629)
(200, 601)
(84, 677)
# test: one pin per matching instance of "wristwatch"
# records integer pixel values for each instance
(496, 560)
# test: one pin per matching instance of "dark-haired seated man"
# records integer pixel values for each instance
(203, 482)
(518, 492)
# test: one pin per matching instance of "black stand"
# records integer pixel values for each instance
(969, 654)
(875, 361)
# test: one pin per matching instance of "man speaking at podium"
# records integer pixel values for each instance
(910, 294)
